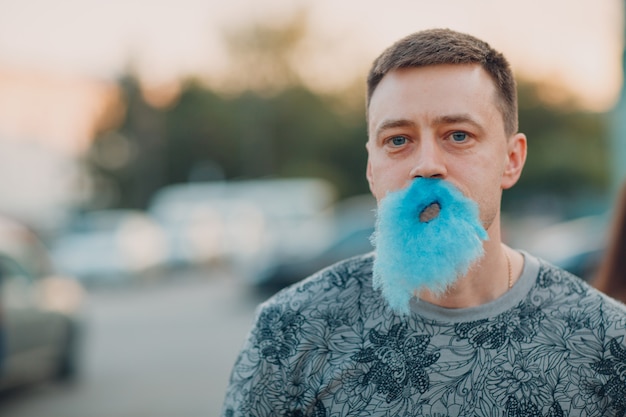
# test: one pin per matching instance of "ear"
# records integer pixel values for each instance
(368, 172)
(516, 158)
(370, 177)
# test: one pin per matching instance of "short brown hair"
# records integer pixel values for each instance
(611, 274)
(445, 46)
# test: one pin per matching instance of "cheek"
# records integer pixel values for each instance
(379, 186)
(481, 185)
(385, 177)
(489, 213)
(488, 195)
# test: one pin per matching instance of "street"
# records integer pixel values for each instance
(158, 349)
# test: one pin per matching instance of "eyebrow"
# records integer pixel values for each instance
(393, 123)
(439, 120)
(457, 118)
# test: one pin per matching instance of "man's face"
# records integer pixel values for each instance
(442, 122)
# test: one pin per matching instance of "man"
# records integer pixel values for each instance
(487, 332)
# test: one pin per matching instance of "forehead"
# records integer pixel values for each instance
(434, 91)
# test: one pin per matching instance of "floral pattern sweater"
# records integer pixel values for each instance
(329, 346)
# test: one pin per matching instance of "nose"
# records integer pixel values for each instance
(429, 160)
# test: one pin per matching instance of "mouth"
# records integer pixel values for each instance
(430, 212)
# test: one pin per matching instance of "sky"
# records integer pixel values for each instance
(59, 60)
(577, 43)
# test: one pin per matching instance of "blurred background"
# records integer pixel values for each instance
(167, 165)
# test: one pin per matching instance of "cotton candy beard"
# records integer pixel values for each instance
(427, 253)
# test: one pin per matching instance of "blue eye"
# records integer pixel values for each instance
(398, 140)
(459, 136)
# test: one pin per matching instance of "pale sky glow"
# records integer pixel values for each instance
(58, 59)
(577, 42)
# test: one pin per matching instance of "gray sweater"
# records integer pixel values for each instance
(329, 346)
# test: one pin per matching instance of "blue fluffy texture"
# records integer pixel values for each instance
(413, 255)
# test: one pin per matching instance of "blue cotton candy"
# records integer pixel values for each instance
(413, 255)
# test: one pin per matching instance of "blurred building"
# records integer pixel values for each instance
(46, 123)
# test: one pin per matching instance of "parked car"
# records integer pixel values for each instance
(352, 221)
(280, 275)
(205, 222)
(41, 312)
(245, 222)
(576, 245)
(110, 246)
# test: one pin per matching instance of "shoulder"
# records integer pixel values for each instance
(303, 333)
(567, 291)
(350, 274)
(332, 298)
(550, 275)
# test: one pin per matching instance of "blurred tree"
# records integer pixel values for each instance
(270, 124)
(263, 56)
(292, 133)
(567, 152)
(284, 128)
(199, 136)
(127, 162)
(296, 132)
